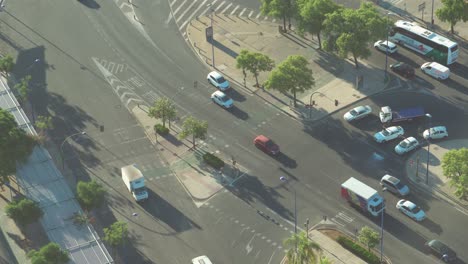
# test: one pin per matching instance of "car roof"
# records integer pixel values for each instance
(410, 139)
(394, 128)
(409, 204)
(439, 128)
(219, 93)
(390, 178)
(361, 107)
(215, 74)
(201, 260)
(389, 43)
(262, 138)
(438, 245)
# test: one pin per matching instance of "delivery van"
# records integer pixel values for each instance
(436, 70)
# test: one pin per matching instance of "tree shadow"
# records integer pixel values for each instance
(236, 96)
(239, 113)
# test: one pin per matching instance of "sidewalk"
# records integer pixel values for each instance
(437, 183)
(335, 79)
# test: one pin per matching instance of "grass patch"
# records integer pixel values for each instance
(161, 130)
(213, 161)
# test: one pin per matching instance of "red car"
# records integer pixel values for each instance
(266, 144)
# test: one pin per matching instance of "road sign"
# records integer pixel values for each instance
(209, 34)
(422, 6)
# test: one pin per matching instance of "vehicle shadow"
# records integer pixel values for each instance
(236, 96)
(460, 70)
(239, 113)
(285, 160)
(90, 3)
(432, 226)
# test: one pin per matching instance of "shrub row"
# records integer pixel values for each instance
(161, 130)
(358, 250)
(213, 161)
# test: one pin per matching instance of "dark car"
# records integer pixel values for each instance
(266, 144)
(441, 251)
(403, 69)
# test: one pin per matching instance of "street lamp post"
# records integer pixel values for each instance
(65, 140)
(381, 226)
(432, 14)
(306, 224)
(284, 179)
(386, 50)
(428, 148)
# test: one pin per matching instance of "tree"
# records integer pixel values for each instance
(15, 144)
(281, 9)
(22, 88)
(351, 31)
(90, 194)
(44, 122)
(194, 127)
(6, 64)
(455, 168)
(49, 254)
(312, 13)
(23, 211)
(116, 234)
(306, 249)
(163, 108)
(368, 237)
(254, 62)
(291, 75)
(325, 260)
(453, 11)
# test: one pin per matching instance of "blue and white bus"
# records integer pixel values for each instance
(439, 48)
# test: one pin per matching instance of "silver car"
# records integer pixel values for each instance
(357, 113)
(394, 185)
(388, 134)
(437, 132)
(411, 210)
(407, 145)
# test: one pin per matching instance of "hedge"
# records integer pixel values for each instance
(358, 250)
(161, 130)
(213, 161)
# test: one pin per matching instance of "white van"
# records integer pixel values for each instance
(201, 260)
(436, 70)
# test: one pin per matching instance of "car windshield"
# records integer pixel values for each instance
(399, 185)
(404, 144)
(415, 210)
(353, 112)
(224, 98)
(220, 79)
(386, 132)
(270, 144)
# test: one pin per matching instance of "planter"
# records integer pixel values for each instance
(161, 130)
(213, 161)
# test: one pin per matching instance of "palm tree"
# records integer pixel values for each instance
(305, 252)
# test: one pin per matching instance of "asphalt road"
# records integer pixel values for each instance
(170, 229)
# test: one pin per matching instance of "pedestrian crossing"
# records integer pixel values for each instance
(342, 219)
(184, 11)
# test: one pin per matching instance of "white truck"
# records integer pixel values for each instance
(362, 196)
(135, 182)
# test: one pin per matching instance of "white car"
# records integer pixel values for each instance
(201, 260)
(218, 81)
(390, 133)
(437, 132)
(357, 113)
(386, 46)
(394, 185)
(222, 99)
(406, 145)
(411, 210)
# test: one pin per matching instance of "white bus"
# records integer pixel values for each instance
(440, 49)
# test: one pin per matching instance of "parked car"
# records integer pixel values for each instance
(406, 145)
(441, 251)
(437, 132)
(266, 144)
(394, 185)
(436, 70)
(403, 69)
(357, 113)
(388, 134)
(386, 46)
(222, 99)
(218, 81)
(201, 260)
(411, 210)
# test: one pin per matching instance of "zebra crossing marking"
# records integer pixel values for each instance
(178, 8)
(173, 2)
(242, 12)
(251, 13)
(193, 14)
(219, 6)
(227, 7)
(186, 10)
(259, 14)
(233, 11)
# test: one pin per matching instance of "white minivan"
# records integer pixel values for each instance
(436, 70)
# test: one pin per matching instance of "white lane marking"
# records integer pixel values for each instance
(219, 6)
(259, 14)
(226, 8)
(250, 14)
(186, 10)
(242, 12)
(233, 11)
(178, 8)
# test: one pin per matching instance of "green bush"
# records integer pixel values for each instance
(161, 130)
(213, 161)
(358, 250)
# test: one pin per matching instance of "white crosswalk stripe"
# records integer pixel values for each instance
(342, 219)
(183, 11)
